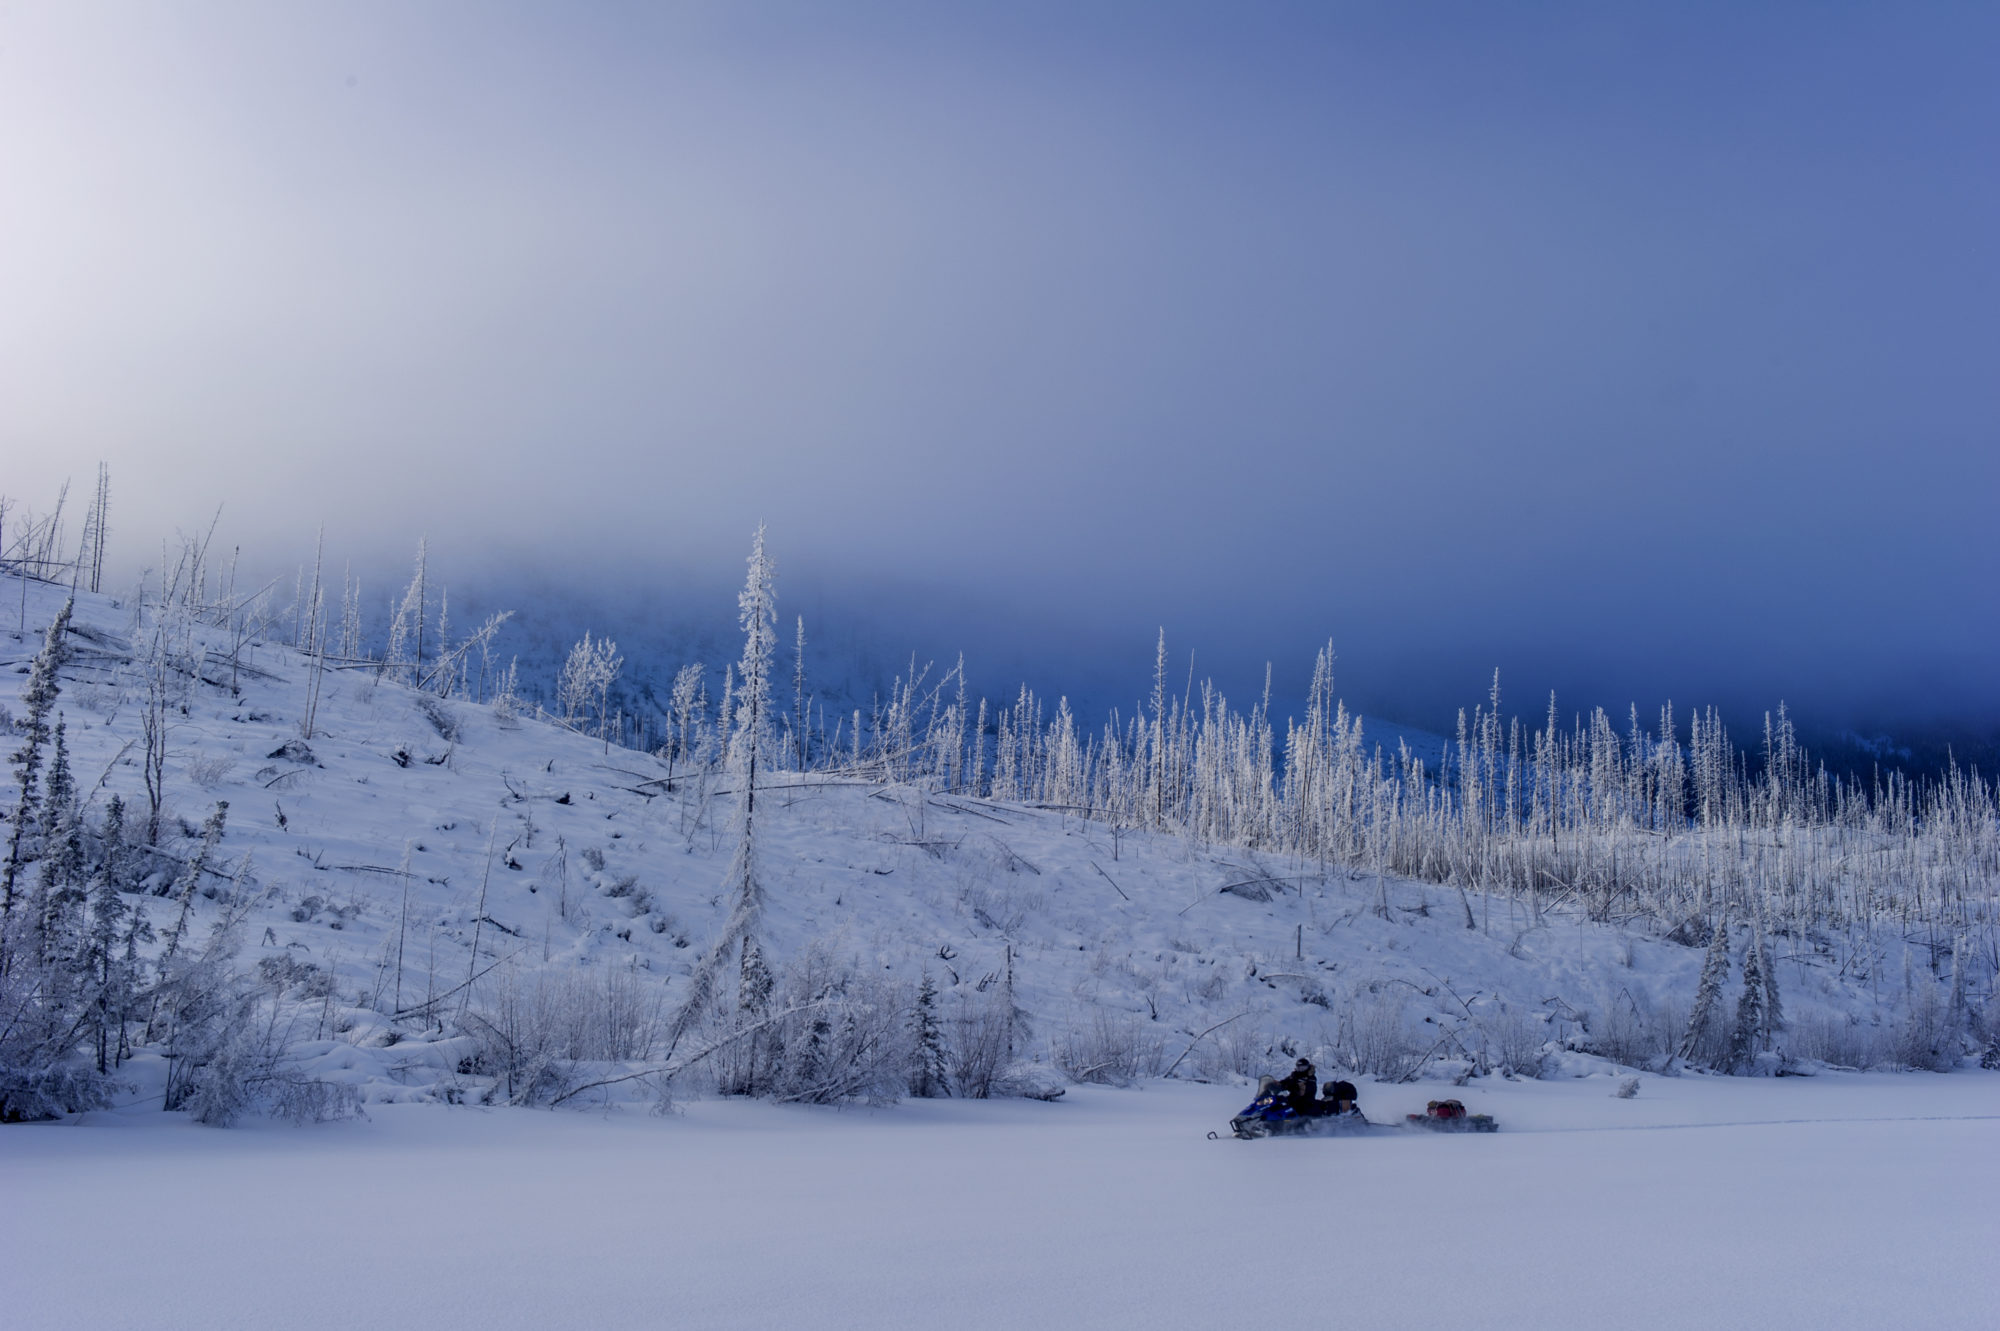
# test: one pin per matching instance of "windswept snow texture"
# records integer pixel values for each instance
(1838, 1201)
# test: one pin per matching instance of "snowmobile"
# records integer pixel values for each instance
(1272, 1115)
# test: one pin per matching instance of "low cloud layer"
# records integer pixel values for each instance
(1638, 356)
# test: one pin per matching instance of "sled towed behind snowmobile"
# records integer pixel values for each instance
(1450, 1116)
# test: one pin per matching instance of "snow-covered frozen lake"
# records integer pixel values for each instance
(1836, 1201)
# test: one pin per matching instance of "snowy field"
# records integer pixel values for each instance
(1835, 1201)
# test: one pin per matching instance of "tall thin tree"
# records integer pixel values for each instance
(751, 699)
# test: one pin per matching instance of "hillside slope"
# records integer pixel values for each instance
(546, 871)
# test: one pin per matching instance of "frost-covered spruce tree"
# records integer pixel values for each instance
(1708, 991)
(930, 1061)
(110, 982)
(753, 1056)
(1774, 1008)
(799, 697)
(136, 933)
(183, 888)
(39, 696)
(1749, 1011)
(108, 963)
(751, 696)
(58, 896)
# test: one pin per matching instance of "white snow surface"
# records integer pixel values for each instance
(1826, 1202)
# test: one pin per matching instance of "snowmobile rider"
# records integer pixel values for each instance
(1301, 1088)
(1340, 1097)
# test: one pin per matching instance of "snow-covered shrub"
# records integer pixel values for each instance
(584, 686)
(1373, 1036)
(43, 1070)
(1516, 1040)
(533, 1027)
(1840, 1040)
(218, 1060)
(999, 907)
(32, 1088)
(823, 1032)
(1929, 1038)
(440, 716)
(517, 1044)
(210, 771)
(506, 695)
(230, 1048)
(1986, 1032)
(981, 1029)
(1628, 1030)
(1237, 1050)
(1029, 1081)
(1114, 1048)
(848, 1038)
(301, 1099)
(286, 975)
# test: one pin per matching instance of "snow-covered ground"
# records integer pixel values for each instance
(1837, 1201)
(534, 852)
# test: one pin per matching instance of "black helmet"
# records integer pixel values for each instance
(1303, 1063)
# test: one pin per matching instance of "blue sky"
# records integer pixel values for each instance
(1639, 354)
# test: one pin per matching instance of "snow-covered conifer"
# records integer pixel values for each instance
(754, 983)
(59, 885)
(39, 695)
(113, 856)
(758, 604)
(1744, 1038)
(799, 697)
(752, 689)
(184, 886)
(1774, 1008)
(930, 1061)
(1708, 990)
(111, 975)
